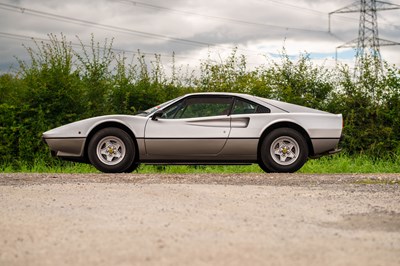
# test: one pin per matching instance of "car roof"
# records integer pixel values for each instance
(218, 93)
(242, 95)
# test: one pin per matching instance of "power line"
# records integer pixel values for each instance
(68, 19)
(368, 42)
(77, 21)
(80, 45)
(294, 6)
(232, 20)
(388, 22)
(310, 10)
(355, 7)
(30, 38)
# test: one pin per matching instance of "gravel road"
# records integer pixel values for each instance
(202, 219)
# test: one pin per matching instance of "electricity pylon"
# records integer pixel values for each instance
(368, 42)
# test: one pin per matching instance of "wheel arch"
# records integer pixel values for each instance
(108, 124)
(287, 124)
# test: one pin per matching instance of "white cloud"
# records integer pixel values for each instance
(299, 25)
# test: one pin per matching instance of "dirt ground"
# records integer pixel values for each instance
(204, 219)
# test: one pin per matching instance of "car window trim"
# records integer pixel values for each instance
(232, 99)
(250, 102)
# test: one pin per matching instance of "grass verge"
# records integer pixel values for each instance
(340, 163)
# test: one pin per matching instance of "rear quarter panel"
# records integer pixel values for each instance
(316, 125)
(324, 130)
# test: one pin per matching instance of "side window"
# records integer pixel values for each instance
(199, 107)
(246, 107)
(170, 112)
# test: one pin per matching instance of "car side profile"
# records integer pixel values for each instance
(202, 128)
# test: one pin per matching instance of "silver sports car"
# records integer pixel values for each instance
(202, 128)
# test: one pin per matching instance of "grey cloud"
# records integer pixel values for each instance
(285, 16)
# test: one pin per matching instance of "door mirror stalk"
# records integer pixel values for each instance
(157, 115)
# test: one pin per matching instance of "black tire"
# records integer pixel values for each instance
(132, 168)
(283, 150)
(112, 150)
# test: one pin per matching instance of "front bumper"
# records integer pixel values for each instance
(66, 147)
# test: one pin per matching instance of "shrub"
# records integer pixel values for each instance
(61, 84)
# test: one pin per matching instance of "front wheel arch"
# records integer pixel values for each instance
(106, 125)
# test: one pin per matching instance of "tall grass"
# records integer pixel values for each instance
(341, 163)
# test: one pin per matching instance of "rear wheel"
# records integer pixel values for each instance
(112, 150)
(283, 150)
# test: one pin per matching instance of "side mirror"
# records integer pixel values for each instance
(157, 115)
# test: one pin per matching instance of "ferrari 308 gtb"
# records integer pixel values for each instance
(202, 128)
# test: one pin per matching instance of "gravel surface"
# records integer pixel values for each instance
(199, 219)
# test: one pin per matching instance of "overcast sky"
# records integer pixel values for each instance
(194, 29)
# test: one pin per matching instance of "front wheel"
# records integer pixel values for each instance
(283, 150)
(112, 150)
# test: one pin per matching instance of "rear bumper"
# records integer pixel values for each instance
(324, 145)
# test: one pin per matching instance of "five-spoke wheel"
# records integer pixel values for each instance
(283, 150)
(112, 150)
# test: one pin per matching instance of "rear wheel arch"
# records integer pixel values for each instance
(285, 125)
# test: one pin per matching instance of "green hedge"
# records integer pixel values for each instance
(61, 84)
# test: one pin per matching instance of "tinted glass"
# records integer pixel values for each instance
(199, 107)
(246, 107)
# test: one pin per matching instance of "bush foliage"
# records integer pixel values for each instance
(61, 84)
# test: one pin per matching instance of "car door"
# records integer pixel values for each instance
(247, 121)
(195, 126)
